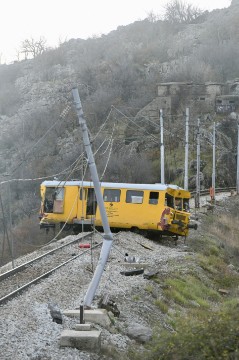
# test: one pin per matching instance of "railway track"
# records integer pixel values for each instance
(16, 280)
(13, 282)
(217, 190)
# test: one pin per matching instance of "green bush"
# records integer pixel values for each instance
(216, 337)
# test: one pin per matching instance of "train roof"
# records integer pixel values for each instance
(56, 183)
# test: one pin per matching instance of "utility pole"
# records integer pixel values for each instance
(162, 147)
(186, 151)
(10, 215)
(108, 237)
(6, 232)
(237, 158)
(213, 162)
(197, 200)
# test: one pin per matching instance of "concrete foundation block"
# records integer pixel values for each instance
(82, 340)
(97, 316)
(83, 327)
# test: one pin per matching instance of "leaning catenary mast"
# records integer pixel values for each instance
(108, 237)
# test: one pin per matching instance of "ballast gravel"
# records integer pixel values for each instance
(27, 330)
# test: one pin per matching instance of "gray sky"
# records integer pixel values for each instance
(58, 20)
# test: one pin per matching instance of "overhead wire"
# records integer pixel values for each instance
(137, 125)
(111, 147)
(62, 116)
(102, 126)
(155, 139)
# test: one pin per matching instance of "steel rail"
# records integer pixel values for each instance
(218, 190)
(45, 275)
(23, 266)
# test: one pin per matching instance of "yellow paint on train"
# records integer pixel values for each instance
(154, 207)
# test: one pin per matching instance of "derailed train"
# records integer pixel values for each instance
(147, 207)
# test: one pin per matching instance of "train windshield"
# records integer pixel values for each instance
(186, 205)
(53, 197)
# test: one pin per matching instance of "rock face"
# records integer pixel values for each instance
(139, 332)
(234, 2)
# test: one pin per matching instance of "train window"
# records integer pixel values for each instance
(134, 196)
(111, 195)
(49, 198)
(59, 194)
(178, 203)
(153, 197)
(169, 200)
(186, 204)
(54, 200)
(91, 202)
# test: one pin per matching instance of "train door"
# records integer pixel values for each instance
(113, 206)
(91, 204)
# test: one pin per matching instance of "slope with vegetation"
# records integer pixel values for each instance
(199, 296)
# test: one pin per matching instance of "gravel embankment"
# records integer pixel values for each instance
(27, 330)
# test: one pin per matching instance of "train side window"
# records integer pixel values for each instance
(153, 197)
(134, 196)
(169, 200)
(111, 195)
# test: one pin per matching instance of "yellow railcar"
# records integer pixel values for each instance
(151, 207)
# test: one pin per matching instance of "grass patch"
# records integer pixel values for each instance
(189, 291)
(163, 306)
(149, 289)
(213, 264)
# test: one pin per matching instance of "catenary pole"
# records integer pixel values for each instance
(186, 151)
(162, 147)
(237, 158)
(214, 162)
(108, 237)
(5, 231)
(198, 167)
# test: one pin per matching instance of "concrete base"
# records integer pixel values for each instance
(134, 265)
(83, 340)
(97, 316)
(83, 327)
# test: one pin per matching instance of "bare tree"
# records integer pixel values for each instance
(32, 48)
(152, 17)
(177, 11)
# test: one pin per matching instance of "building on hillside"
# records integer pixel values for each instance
(202, 99)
